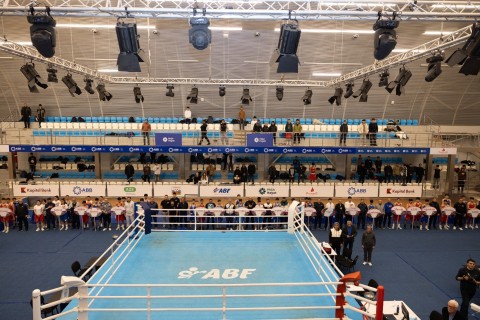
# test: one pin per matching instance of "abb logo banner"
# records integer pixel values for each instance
(400, 191)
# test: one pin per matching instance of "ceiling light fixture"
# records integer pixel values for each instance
(52, 73)
(193, 96)
(71, 85)
(384, 78)
(89, 85)
(246, 96)
(199, 34)
(221, 91)
(286, 53)
(137, 93)
(103, 94)
(130, 54)
(307, 97)
(385, 38)
(42, 32)
(279, 93)
(469, 55)
(400, 81)
(170, 92)
(337, 97)
(434, 67)
(34, 79)
(363, 91)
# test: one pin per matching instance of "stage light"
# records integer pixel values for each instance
(130, 54)
(28, 70)
(246, 96)
(363, 91)
(71, 85)
(385, 38)
(42, 32)
(199, 35)
(279, 93)
(337, 96)
(103, 94)
(89, 85)
(221, 91)
(384, 78)
(400, 81)
(307, 97)
(434, 67)
(193, 96)
(286, 53)
(469, 56)
(170, 92)
(52, 74)
(348, 90)
(138, 94)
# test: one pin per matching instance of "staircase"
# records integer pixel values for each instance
(239, 138)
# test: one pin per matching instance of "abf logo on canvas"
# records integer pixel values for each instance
(194, 272)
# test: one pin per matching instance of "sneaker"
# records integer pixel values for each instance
(61, 228)
(66, 227)
(440, 227)
(454, 228)
(370, 264)
(38, 229)
(118, 228)
(109, 229)
(123, 227)
(476, 226)
(104, 229)
(461, 229)
(471, 226)
(421, 228)
(446, 227)
(426, 228)
(399, 228)
(43, 229)
(364, 263)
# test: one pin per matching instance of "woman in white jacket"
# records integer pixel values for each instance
(157, 171)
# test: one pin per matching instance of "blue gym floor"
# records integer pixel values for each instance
(160, 257)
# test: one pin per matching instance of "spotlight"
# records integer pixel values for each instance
(33, 77)
(385, 38)
(363, 91)
(137, 93)
(279, 93)
(130, 54)
(221, 91)
(400, 81)
(246, 96)
(89, 85)
(348, 90)
(42, 32)
(71, 85)
(337, 96)
(384, 78)
(170, 92)
(193, 96)
(286, 52)
(469, 56)
(434, 67)
(307, 97)
(199, 35)
(52, 74)
(102, 93)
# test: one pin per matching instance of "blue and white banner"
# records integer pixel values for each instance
(168, 139)
(215, 149)
(260, 140)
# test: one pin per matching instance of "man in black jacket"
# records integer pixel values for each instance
(362, 172)
(22, 215)
(203, 132)
(469, 278)
(129, 172)
(372, 132)
(343, 133)
(32, 162)
(339, 213)
(420, 172)
(40, 115)
(249, 204)
(388, 170)
(251, 173)
(273, 130)
(362, 215)
(460, 213)
(26, 113)
(450, 312)
(434, 217)
(349, 232)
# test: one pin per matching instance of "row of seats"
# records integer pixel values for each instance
(46, 158)
(138, 175)
(139, 166)
(67, 166)
(385, 160)
(442, 161)
(66, 174)
(113, 119)
(305, 161)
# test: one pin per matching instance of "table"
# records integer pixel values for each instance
(390, 307)
(332, 253)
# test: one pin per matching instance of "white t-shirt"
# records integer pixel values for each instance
(129, 208)
(118, 210)
(38, 209)
(188, 114)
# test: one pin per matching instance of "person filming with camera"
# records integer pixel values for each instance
(469, 277)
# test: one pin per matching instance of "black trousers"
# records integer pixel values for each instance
(296, 137)
(51, 220)
(75, 220)
(361, 220)
(33, 168)
(107, 220)
(204, 136)
(22, 222)
(367, 254)
(373, 139)
(467, 296)
(348, 244)
(458, 222)
(272, 179)
(433, 221)
(387, 220)
(343, 137)
(26, 122)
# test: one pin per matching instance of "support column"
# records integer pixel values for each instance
(98, 165)
(429, 168)
(450, 181)
(183, 164)
(12, 170)
(348, 166)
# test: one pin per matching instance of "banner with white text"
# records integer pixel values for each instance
(400, 191)
(82, 190)
(129, 190)
(267, 191)
(355, 191)
(221, 191)
(38, 190)
(312, 191)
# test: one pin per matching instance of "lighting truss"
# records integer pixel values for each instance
(427, 10)
(416, 53)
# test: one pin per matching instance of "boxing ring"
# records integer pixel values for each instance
(213, 275)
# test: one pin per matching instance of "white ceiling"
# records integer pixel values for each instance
(451, 99)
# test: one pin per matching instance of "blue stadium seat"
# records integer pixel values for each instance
(156, 120)
(302, 121)
(88, 119)
(50, 119)
(163, 120)
(415, 122)
(169, 120)
(101, 119)
(409, 122)
(403, 122)
(138, 120)
(94, 119)
(308, 121)
(69, 119)
(63, 119)
(113, 119)
(356, 122)
(284, 120)
(124, 119)
(57, 119)
(107, 119)
(338, 121)
(349, 122)
(176, 120)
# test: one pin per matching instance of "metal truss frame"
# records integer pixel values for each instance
(416, 53)
(426, 10)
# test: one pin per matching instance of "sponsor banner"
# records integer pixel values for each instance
(259, 140)
(82, 190)
(40, 190)
(159, 190)
(443, 151)
(400, 191)
(129, 190)
(312, 191)
(178, 148)
(168, 139)
(266, 191)
(355, 191)
(4, 148)
(221, 191)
